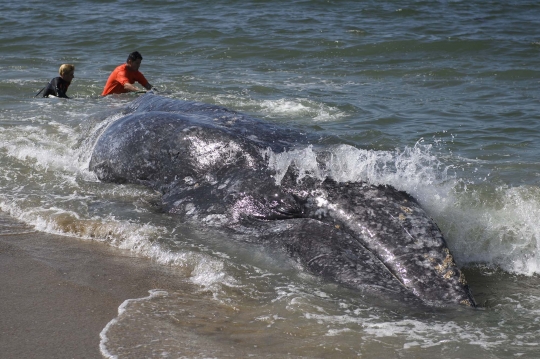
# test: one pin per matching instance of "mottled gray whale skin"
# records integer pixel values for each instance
(211, 166)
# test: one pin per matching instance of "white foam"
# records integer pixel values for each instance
(304, 159)
(413, 170)
(121, 310)
(502, 232)
(285, 107)
(301, 108)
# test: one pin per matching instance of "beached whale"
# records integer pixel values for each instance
(212, 166)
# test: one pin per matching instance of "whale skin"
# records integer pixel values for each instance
(211, 166)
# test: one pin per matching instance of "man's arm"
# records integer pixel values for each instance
(130, 87)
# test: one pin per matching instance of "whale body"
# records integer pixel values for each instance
(211, 166)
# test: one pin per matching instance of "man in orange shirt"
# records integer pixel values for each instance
(124, 76)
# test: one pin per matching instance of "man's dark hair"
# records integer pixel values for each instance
(135, 55)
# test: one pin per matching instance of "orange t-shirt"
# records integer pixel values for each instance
(119, 77)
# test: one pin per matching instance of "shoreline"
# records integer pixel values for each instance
(58, 293)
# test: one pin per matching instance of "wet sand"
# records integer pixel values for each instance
(58, 293)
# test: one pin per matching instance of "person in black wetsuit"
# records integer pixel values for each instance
(59, 85)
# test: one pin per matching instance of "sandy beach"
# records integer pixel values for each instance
(58, 293)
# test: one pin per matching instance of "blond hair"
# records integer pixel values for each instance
(66, 69)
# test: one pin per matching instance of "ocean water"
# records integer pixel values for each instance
(437, 98)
